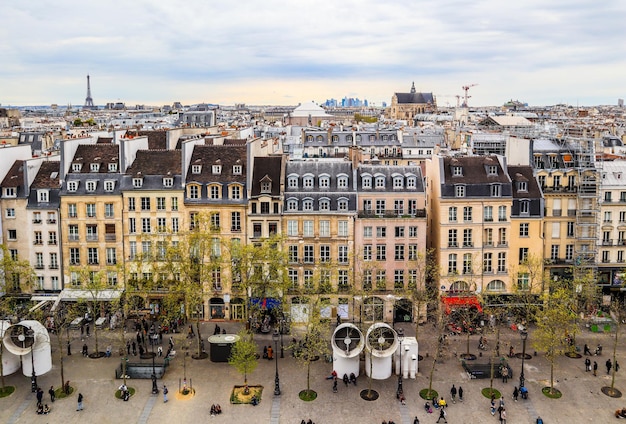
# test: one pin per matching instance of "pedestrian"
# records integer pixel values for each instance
(460, 394)
(69, 348)
(160, 351)
(165, 391)
(87, 329)
(442, 403)
(587, 351)
(82, 330)
(609, 365)
(128, 347)
(39, 395)
(335, 385)
(442, 414)
(492, 407)
(595, 368)
(505, 373)
(587, 364)
(134, 348)
(51, 392)
(80, 402)
(616, 366)
(416, 421)
(515, 394)
(453, 394)
(503, 416)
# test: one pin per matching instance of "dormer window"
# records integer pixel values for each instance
(94, 167)
(457, 171)
(109, 185)
(91, 185)
(335, 138)
(72, 186)
(324, 182)
(196, 169)
(308, 182)
(398, 182)
(137, 182)
(411, 183)
(522, 186)
(292, 205)
(266, 187)
(216, 169)
(292, 182)
(342, 181)
(307, 205)
(495, 190)
(309, 138)
(342, 205)
(168, 182)
(9, 192)
(76, 167)
(366, 182)
(43, 196)
(492, 170)
(324, 205)
(237, 169)
(113, 167)
(380, 182)
(459, 191)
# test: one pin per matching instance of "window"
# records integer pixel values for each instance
(502, 262)
(457, 171)
(308, 181)
(196, 169)
(381, 279)
(324, 228)
(237, 169)
(398, 182)
(174, 203)
(459, 191)
(92, 255)
(12, 234)
(324, 205)
(137, 182)
(342, 280)
(367, 252)
(467, 264)
(293, 277)
(146, 250)
(502, 237)
(216, 169)
(570, 229)
(569, 252)
(366, 182)
(413, 231)
(308, 228)
(235, 221)
(488, 213)
(10, 192)
(398, 207)
(10, 212)
(292, 182)
(413, 255)
(492, 170)
(398, 279)
(324, 253)
(380, 207)
(132, 247)
(293, 253)
(411, 183)
(523, 229)
(381, 252)
(307, 205)
(92, 232)
(380, 182)
(367, 232)
(74, 256)
(235, 192)
(131, 203)
(72, 186)
(308, 279)
(52, 238)
(467, 214)
(72, 232)
(132, 225)
(145, 203)
(487, 259)
(266, 187)
(292, 228)
(309, 255)
(467, 238)
(342, 205)
(501, 213)
(91, 186)
(399, 231)
(608, 218)
(111, 253)
(54, 261)
(108, 210)
(522, 186)
(292, 205)
(146, 226)
(160, 203)
(42, 196)
(36, 217)
(214, 221)
(523, 255)
(381, 232)
(399, 252)
(452, 238)
(324, 182)
(452, 267)
(452, 214)
(161, 225)
(113, 167)
(495, 190)
(168, 182)
(524, 207)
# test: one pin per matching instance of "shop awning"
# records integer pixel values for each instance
(74, 295)
(454, 302)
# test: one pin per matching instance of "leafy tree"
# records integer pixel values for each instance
(425, 268)
(532, 282)
(243, 355)
(78, 122)
(62, 318)
(555, 321)
(618, 315)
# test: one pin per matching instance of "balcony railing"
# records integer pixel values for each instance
(51, 221)
(36, 221)
(109, 237)
(72, 237)
(39, 266)
(92, 237)
(390, 213)
(54, 266)
(607, 242)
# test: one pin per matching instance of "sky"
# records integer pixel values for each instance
(286, 52)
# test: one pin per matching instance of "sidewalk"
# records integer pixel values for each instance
(582, 399)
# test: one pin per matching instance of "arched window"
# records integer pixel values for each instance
(342, 205)
(342, 181)
(292, 205)
(324, 204)
(496, 286)
(307, 205)
(366, 181)
(380, 182)
(309, 138)
(335, 138)
(459, 286)
(292, 181)
(319, 138)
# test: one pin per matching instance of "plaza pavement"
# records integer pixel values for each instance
(582, 400)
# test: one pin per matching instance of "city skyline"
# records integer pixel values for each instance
(157, 52)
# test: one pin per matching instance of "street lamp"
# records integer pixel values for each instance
(524, 335)
(275, 337)
(400, 339)
(155, 389)
(282, 330)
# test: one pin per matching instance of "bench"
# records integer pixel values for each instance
(142, 370)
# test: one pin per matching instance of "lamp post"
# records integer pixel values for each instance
(524, 335)
(282, 330)
(155, 389)
(400, 339)
(275, 337)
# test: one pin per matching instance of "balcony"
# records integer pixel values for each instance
(488, 219)
(53, 266)
(93, 262)
(51, 221)
(39, 266)
(109, 237)
(607, 242)
(390, 213)
(217, 287)
(92, 237)
(38, 242)
(75, 262)
(72, 237)
(52, 242)
(111, 261)
(36, 221)
(235, 229)
(453, 245)
(556, 212)
(621, 242)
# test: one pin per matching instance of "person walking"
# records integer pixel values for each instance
(587, 350)
(515, 394)
(505, 373)
(460, 394)
(609, 365)
(492, 408)
(51, 393)
(80, 402)
(39, 395)
(587, 364)
(503, 416)
(595, 368)
(442, 414)
(453, 394)
(165, 392)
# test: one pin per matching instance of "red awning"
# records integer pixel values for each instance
(451, 302)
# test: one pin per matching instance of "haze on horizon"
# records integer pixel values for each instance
(287, 52)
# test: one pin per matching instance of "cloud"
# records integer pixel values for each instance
(247, 51)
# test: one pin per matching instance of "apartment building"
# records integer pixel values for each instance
(612, 242)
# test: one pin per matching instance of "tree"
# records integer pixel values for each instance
(532, 282)
(315, 342)
(243, 356)
(94, 284)
(618, 315)
(16, 276)
(424, 268)
(555, 321)
(63, 316)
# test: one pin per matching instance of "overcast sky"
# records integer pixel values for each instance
(287, 52)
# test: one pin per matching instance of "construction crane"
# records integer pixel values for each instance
(466, 89)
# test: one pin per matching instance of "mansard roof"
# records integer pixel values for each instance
(226, 156)
(524, 174)
(474, 170)
(102, 154)
(157, 139)
(48, 176)
(264, 168)
(15, 176)
(156, 162)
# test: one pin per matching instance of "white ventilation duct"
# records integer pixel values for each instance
(347, 344)
(30, 340)
(381, 342)
(10, 362)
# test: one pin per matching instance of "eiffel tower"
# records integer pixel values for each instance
(88, 99)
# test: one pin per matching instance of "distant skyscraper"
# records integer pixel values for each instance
(88, 99)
